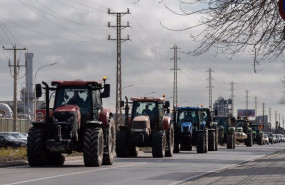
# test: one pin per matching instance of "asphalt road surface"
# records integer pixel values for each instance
(143, 170)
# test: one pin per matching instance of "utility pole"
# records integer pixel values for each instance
(246, 102)
(283, 124)
(232, 97)
(270, 119)
(16, 67)
(210, 88)
(276, 122)
(263, 107)
(255, 102)
(175, 94)
(119, 39)
(279, 122)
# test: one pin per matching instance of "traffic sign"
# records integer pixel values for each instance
(282, 8)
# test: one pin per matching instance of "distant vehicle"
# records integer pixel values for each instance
(265, 139)
(275, 140)
(19, 136)
(7, 140)
(271, 138)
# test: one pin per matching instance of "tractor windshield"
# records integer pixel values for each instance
(222, 122)
(187, 116)
(239, 123)
(255, 127)
(145, 108)
(74, 96)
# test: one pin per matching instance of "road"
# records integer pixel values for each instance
(140, 171)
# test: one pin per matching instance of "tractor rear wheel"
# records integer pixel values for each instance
(93, 148)
(170, 142)
(122, 145)
(158, 144)
(36, 149)
(211, 140)
(108, 157)
(201, 142)
(133, 151)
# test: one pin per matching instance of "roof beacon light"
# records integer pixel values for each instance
(163, 95)
(104, 79)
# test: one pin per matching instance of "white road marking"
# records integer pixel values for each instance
(207, 172)
(75, 173)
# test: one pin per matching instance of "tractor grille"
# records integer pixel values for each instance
(139, 125)
(62, 116)
(185, 129)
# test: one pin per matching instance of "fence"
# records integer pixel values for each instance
(6, 125)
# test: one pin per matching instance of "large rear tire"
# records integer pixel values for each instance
(170, 142)
(93, 148)
(211, 140)
(260, 139)
(109, 151)
(36, 149)
(122, 145)
(158, 144)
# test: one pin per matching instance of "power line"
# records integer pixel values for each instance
(119, 40)
(58, 25)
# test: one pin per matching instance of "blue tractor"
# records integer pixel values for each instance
(193, 126)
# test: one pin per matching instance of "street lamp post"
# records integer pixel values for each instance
(35, 98)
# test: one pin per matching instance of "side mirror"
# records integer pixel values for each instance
(168, 111)
(106, 93)
(122, 104)
(38, 90)
(167, 104)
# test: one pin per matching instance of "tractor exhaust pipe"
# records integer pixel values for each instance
(47, 100)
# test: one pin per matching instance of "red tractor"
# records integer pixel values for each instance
(76, 122)
(147, 126)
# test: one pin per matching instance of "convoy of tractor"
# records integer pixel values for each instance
(77, 122)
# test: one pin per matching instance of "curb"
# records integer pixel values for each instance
(13, 163)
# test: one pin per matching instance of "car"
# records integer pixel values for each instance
(265, 139)
(275, 138)
(7, 140)
(271, 138)
(18, 135)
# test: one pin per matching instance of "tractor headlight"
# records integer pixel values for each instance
(71, 119)
(54, 120)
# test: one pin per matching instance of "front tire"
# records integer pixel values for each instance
(36, 149)
(170, 142)
(158, 144)
(122, 146)
(201, 142)
(211, 140)
(109, 152)
(93, 147)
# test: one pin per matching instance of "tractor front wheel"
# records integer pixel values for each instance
(36, 149)
(109, 151)
(170, 142)
(93, 148)
(158, 144)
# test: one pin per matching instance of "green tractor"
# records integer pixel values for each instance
(244, 132)
(257, 134)
(226, 130)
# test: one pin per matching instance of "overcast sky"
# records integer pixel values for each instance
(74, 34)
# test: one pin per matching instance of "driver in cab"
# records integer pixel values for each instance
(76, 99)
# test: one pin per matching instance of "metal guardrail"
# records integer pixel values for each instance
(6, 125)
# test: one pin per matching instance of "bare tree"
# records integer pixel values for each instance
(236, 26)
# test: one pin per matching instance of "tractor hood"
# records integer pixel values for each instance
(141, 124)
(67, 108)
(186, 127)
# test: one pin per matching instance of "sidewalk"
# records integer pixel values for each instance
(268, 170)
